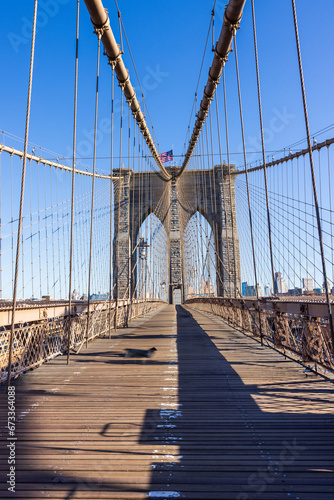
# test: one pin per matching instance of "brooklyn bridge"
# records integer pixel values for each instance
(166, 308)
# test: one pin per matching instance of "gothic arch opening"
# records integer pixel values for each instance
(150, 263)
(199, 258)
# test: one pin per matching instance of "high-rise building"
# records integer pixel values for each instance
(244, 285)
(308, 284)
(280, 284)
(250, 291)
(267, 290)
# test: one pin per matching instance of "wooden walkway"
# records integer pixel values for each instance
(211, 416)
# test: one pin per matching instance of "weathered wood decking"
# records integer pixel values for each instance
(212, 415)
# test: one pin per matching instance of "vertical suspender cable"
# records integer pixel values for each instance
(46, 235)
(31, 237)
(111, 196)
(12, 217)
(316, 204)
(24, 163)
(119, 208)
(73, 186)
(229, 182)
(248, 194)
(39, 234)
(263, 147)
(224, 203)
(0, 235)
(93, 183)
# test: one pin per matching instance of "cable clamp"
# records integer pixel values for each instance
(99, 29)
(223, 59)
(231, 26)
(122, 84)
(215, 81)
(209, 98)
(131, 98)
(113, 62)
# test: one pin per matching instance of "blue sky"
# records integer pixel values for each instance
(167, 41)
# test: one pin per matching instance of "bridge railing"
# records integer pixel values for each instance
(298, 326)
(40, 340)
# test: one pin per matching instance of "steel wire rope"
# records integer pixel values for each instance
(200, 72)
(93, 184)
(262, 141)
(210, 184)
(281, 216)
(22, 194)
(223, 194)
(248, 196)
(331, 212)
(229, 177)
(280, 233)
(112, 65)
(213, 175)
(135, 68)
(73, 181)
(315, 195)
(1, 284)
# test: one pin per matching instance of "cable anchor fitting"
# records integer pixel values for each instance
(99, 29)
(113, 62)
(231, 26)
(122, 84)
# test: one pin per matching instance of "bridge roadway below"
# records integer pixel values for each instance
(213, 415)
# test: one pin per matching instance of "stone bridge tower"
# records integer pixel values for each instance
(174, 202)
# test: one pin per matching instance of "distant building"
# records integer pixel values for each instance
(99, 296)
(244, 285)
(308, 284)
(250, 291)
(280, 284)
(267, 290)
(295, 291)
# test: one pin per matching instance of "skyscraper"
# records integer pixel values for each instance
(308, 284)
(280, 284)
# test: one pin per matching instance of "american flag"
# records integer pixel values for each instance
(168, 156)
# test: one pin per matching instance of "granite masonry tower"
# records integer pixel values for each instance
(174, 202)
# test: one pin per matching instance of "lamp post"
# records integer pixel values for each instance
(143, 246)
